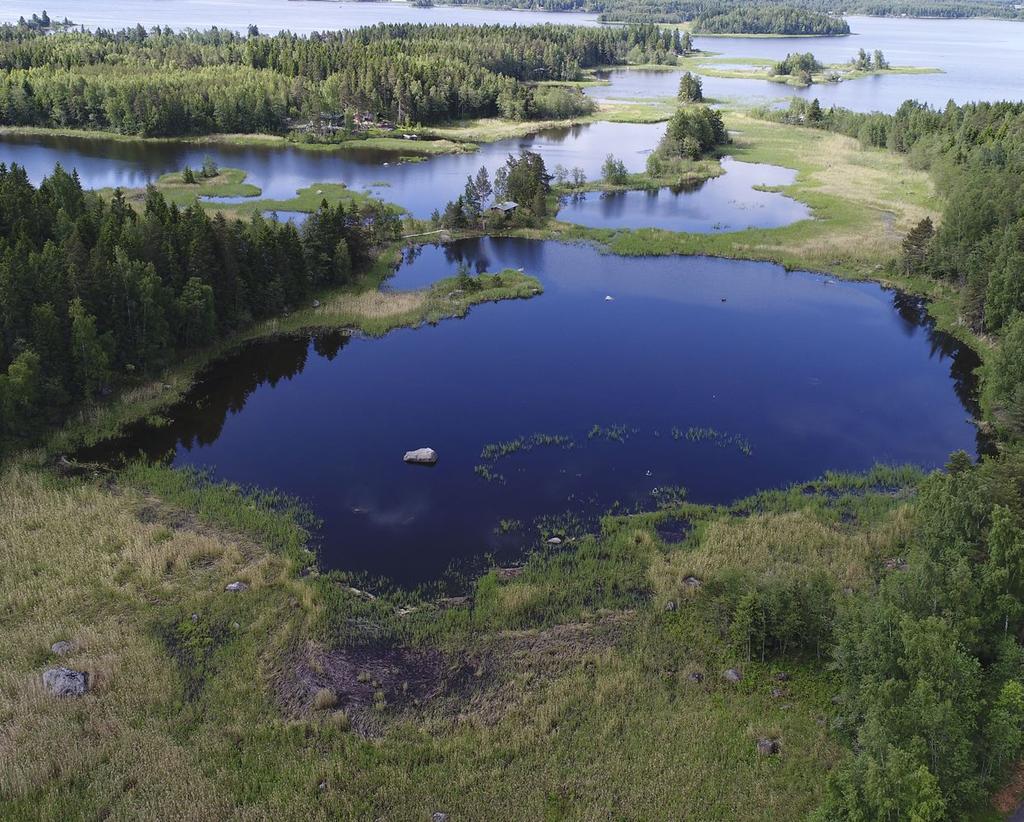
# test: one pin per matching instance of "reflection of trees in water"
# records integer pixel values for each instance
(222, 388)
(963, 360)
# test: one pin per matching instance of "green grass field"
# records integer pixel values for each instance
(567, 693)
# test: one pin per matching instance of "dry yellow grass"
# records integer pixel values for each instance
(79, 565)
(372, 305)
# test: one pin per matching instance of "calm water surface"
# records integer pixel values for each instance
(795, 374)
(980, 60)
(812, 375)
(272, 16)
(726, 203)
(419, 187)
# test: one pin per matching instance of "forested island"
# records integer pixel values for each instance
(185, 640)
(791, 17)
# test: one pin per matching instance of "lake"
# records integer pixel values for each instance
(788, 374)
(981, 59)
(272, 16)
(726, 203)
(418, 187)
(723, 377)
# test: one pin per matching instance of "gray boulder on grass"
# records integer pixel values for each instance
(61, 681)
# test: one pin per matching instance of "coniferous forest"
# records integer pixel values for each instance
(159, 84)
(92, 292)
(564, 611)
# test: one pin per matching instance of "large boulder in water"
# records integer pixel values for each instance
(421, 456)
(63, 681)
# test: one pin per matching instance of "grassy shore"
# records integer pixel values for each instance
(569, 692)
(863, 202)
(383, 142)
(759, 68)
(230, 182)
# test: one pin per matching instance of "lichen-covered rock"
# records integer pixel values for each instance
(61, 681)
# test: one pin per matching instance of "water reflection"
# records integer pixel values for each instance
(812, 375)
(729, 202)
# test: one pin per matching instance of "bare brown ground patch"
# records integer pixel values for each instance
(378, 686)
(1012, 793)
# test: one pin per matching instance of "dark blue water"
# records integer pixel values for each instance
(726, 203)
(807, 374)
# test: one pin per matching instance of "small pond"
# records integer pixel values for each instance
(729, 202)
(721, 376)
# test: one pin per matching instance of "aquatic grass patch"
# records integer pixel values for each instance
(613, 433)
(722, 439)
(494, 451)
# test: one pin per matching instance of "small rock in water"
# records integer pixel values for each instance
(767, 747)
(62, 648)
(63, 681)
(732, 675)
(421, 456)
(236, 587)
(608, 298)
(555, 541)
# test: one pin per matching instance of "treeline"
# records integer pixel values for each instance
(158, 83)
(681, 11)
(930, 664)
(94, 293)
(976, 157)
(769, 19)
